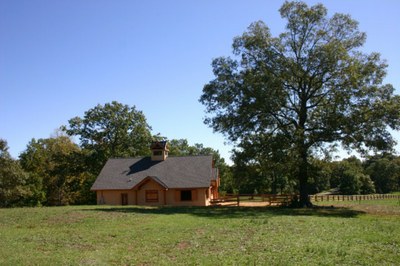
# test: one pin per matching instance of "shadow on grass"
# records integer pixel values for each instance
(234, 212)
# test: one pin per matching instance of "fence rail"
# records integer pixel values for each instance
(285, 199)
(227, 200)
(268, 199)
(321, 198)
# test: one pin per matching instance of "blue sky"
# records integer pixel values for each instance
(61, 58)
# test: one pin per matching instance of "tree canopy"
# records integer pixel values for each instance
(14, 187)
(57, 167)
(385, 172)
(309, 88)
(111, 130)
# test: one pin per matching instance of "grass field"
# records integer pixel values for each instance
(357, 234)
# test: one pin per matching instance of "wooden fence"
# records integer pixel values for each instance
(267, 199)
(318, 198)
(285, 199)
(227, 200)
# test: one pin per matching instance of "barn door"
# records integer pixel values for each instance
(124, 198)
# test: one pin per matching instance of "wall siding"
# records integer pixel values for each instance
(198, 197)
(113, 197)
(169, 197)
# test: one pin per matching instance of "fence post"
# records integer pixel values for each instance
(238, 200)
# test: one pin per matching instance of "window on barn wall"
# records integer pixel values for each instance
(151, 195)
(186, 195)
(157, 153)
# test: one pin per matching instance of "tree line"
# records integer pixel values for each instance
(350, 176)
(57, 171)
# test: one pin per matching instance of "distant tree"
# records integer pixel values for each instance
(267, 170)
(367, 185)
(247, 179)
(309, 88)
(348, 175)
(320, 175)
(57, 165)
(181, 147)
(227, 184)
(111, 130)
(14, 187)
(385, 172)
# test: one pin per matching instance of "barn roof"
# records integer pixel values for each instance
(174, 172)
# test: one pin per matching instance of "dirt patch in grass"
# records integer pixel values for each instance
(64, 218)
(79, 246)
(183, 245)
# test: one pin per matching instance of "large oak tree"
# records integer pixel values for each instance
(310, 87)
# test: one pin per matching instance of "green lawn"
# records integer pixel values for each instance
(104, 235)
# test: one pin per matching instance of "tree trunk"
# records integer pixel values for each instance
(273, 185)
(304, 200)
